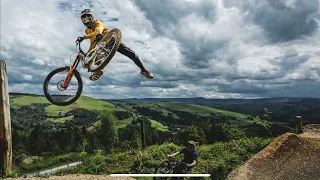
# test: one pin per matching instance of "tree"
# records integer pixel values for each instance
(267, 114)
(108, 134)
(37, 140)
(191, 133)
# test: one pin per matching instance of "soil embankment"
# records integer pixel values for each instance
(290, 156)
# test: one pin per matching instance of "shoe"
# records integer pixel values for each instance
(147, 74)
(95, 75)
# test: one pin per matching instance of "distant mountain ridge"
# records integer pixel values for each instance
(284, 109)
(207, 101)
(204, 101)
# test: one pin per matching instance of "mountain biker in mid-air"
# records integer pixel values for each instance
(189, 160)
(94, 28)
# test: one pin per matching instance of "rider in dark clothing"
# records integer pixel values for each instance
(189, 160)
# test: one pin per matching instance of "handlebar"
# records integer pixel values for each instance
(78, 44)
(171, 159)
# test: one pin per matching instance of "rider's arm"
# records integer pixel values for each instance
(179, 152)
(195, 157)
(174, 154)
(193, 163)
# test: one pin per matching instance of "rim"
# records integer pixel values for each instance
(59, 94)
(104, 51)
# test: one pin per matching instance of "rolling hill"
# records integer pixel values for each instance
(36, 108)
(284, 109)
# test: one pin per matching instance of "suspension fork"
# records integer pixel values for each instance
(70, 72)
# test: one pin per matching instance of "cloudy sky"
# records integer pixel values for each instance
(207, 48)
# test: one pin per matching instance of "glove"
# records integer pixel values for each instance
(80, 39)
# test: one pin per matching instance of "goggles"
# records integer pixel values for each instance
(86, 19)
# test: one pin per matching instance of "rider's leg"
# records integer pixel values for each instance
(123, 49)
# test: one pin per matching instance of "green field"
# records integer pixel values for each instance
(124, 122)
(60, 120)
(169, 107)
(166, 108)
(158, 125)
(152, 106)
(83, 102)
(20, 101)
(53, 110)
(203, 110)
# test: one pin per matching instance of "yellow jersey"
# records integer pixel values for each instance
(91, 33)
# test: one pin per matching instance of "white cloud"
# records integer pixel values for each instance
(194, 47)
(38, 61)
(27, 77)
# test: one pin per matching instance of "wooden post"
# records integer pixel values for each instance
(5, 123)
(299, 125)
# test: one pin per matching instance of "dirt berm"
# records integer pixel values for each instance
(288, 157)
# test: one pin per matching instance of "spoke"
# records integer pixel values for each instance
(62, 94)
(103, 51)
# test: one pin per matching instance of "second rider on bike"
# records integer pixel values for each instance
(190, 158)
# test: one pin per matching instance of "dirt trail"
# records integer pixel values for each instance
(290, 156)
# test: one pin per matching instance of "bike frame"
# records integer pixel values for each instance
(174, 163)
(80, 57)
(74, 66)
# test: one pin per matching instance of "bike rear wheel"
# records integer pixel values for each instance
(54, 90)
(106, 50)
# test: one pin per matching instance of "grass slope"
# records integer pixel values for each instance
(53, 111)
(123, 123)
(198, 109)
(171, 107)
(20, 101)
(214, 159)
(83, 102)
(158, 125)
(88, 103)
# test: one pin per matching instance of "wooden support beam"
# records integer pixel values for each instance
(5, 123)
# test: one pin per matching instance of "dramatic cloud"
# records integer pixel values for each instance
(213, 49)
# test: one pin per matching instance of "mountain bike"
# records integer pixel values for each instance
(168, 166)
(63, 86)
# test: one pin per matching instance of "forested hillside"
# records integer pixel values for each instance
(97, 131)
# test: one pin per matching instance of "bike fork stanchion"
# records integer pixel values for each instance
(68, 79)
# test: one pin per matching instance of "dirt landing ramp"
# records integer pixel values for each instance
(288, 157)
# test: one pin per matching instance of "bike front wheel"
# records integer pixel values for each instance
(61, 88)
(164, 167)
